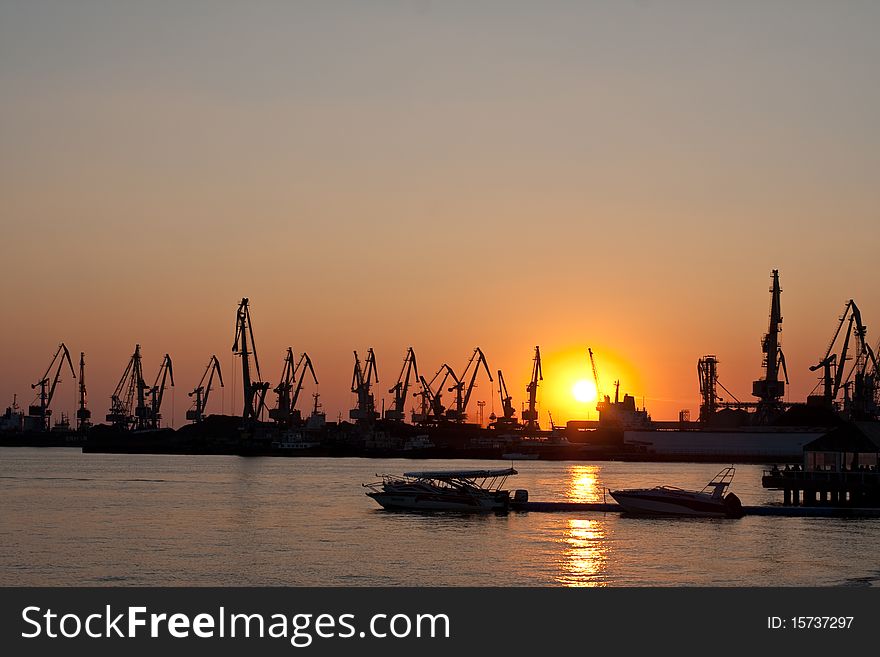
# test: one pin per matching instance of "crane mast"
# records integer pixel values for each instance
(507, 408)
(462, 394)
(39, 414)
(304, 363)
(156, 393)
(127, 403)
(770, 389)
(254, 389)
(203, 391)
(530, 415)
(83, 414)
(833, 365)
(399, 390)
(431, 405)
(281, 412)
(362, 380)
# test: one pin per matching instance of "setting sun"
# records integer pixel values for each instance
(584, 391)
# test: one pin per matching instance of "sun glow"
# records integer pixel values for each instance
(584, 391)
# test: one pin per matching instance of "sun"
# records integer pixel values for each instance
(584, 391)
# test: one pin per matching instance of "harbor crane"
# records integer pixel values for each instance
(304, 363)
(83, 414)
(431, 408)
(595, 379)
(462, 393)
(41, 412)
(408, 371)
(862, 375)
(281, 412)
(770, 389)
(157, 392)
(203, 391)
(362, 380)
(128, 409)
(530, 415)
(508, 411)
(254, 389)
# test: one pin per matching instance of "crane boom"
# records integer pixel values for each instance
(281, 412)
(595, 374)
(203, 391)
(127, 406)
(408, 370)
(463, 395)
(254, 390)
(530, 415)
(506, 405)
(305, 363)
(157, 392)
(42, 411)
(362, 380)
(833, 364)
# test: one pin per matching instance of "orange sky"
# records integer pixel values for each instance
(443, 176)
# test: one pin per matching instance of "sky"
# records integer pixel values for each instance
(621, 176)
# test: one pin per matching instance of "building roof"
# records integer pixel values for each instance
(852, 437)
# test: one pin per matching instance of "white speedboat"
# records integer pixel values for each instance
(710, 502)
(444, 490)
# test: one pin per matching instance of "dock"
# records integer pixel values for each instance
(762, 510)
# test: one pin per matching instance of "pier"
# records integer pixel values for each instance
(763, 510)
(858, 488)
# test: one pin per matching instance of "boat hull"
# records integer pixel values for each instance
(648, 503)
(445, 502)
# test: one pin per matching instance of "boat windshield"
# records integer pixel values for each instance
(720, 482)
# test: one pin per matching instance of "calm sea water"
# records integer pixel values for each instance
(68, 518)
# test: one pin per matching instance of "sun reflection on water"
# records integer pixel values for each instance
(585, 554)
(584, 542)
(583, 484)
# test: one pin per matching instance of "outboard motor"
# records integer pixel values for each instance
(520, 496)
(733, 506)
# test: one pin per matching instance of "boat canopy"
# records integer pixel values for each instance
(461, 474)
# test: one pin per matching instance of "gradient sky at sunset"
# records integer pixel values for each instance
(437, 174)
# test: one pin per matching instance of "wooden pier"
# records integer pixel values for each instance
(823, 488)
(765, 510)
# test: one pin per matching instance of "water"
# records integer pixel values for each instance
(68, 518)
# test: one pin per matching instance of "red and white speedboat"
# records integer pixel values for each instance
(710, 502)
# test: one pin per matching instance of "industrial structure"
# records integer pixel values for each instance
(768, 425)
(83, 414)
(859, 385)
(769, 389)
(506, 420)
(530, 414)
(288, 389)
(253, 387)
(464, 390)
(134, 405)
(362, 380)
(409, 372)
(39, 413)
(201, 393)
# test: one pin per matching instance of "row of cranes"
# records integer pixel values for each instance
(294, 373)
(134, 405)
(137, 406)
(851, 390)
(431, 408)
(430, 393)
